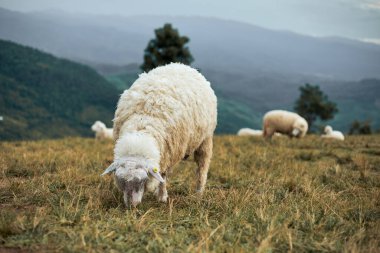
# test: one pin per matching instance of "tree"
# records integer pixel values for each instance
(358, 127)
(313, 103)
(167, 47)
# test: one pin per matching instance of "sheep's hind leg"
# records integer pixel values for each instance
(268, 133)
(202, 157)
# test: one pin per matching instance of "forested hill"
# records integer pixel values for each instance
(42, 96)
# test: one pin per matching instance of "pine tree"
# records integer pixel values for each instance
(313, 104)
(167, 47)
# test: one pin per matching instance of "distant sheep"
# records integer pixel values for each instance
(252, 132)
(284, 122)
(329, 133)
(101, 131)
(249, 132)
(166, 115)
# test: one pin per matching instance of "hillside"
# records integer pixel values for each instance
(309, 195)
(46, 97)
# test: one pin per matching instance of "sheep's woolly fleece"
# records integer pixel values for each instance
(332, 134)
(165, 115)
(101, 131)
(249, 132)
(283, 122)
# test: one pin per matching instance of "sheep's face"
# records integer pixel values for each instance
(300, 128)
(131, 176)
(328, 130)
(98, 126)
(131, 180)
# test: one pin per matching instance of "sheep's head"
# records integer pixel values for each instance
(131, 176)
(328, 130)
(98, 126)
(300, 127)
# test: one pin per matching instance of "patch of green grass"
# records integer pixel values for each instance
(308, 195)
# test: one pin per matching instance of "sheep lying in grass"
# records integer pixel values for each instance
(166, 115)
(101, 131)
(329, 133)
(252, 132)
(284, 122)
(249, 132)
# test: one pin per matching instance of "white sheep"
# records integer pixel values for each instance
(101, 131)
(284, 122)
(252, 132)
(329, 133)
(249, 132)
(166, 115)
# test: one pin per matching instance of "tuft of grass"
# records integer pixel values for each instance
(306, 195)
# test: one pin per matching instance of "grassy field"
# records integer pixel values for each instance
(310, 195)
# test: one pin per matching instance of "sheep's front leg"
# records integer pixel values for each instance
(158, 189)
(126, 199)
(162, 193)
(202, 157)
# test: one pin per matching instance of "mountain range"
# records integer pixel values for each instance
(217, 44)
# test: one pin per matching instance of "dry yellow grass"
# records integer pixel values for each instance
(310, 195)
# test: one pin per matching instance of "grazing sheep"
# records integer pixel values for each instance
(101, 131)
(329, 133)
(249, 132)
(284, 122)
(166, 115)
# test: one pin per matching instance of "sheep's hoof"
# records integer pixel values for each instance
(199, 192)
(163, 199)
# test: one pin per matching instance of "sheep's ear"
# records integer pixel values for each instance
(111, 168)
(296, 132)
(156, 174)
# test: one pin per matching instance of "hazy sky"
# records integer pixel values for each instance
(348, 18)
